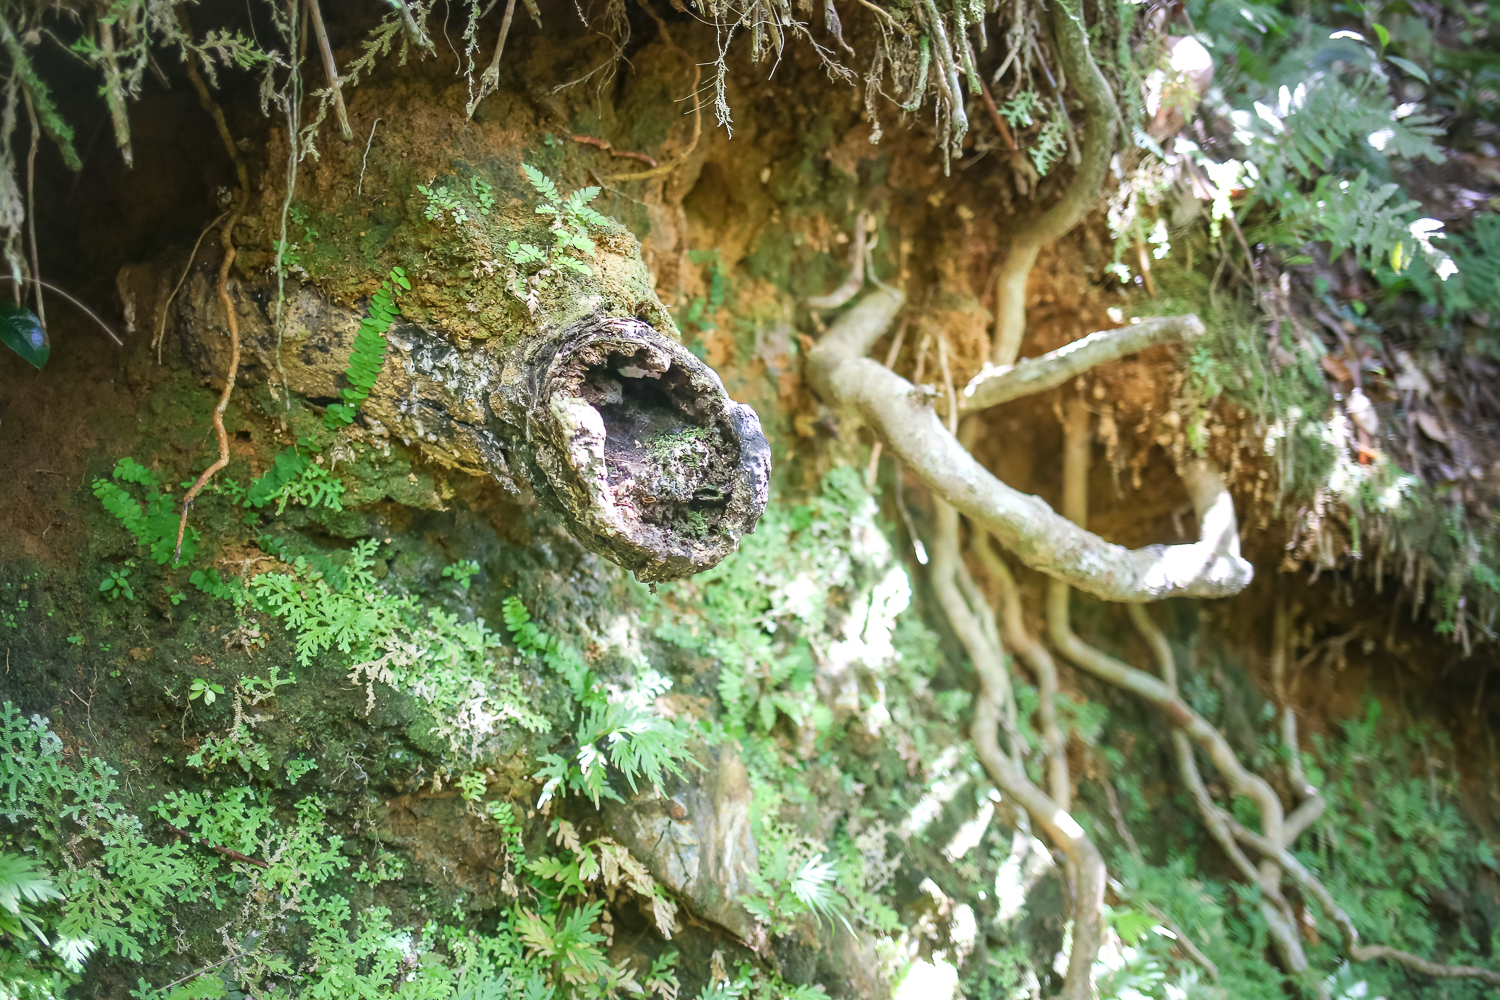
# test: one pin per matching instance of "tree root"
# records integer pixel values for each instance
(227, 237)
(994, 386)
(1086, 864)
(1043, 668)
(1278, 833)
(1088, 179)
(1025, 525)
(682, 157)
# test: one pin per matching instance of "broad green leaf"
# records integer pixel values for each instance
(22, 332)
(1411, 68)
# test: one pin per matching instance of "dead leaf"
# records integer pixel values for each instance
(1430, 426)
(137, 653)
(1336, 368)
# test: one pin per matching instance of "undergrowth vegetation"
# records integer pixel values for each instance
(1343, 316)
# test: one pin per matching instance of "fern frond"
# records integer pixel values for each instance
(543, 184)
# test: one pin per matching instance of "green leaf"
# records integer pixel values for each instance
(1382, 34)
(23, 333)
(1409, 67)
(22, 880)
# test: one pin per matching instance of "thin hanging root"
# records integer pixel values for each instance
(682, 157)
(161, 314)
(227, 237)
(604, 144)
(331, 68)
(489, 80)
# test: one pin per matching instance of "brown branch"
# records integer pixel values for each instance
(227, 852)
(612, 151)
(989, 104)
(489, 80)
(1275, 910)
(335, 83)
(1077, 456)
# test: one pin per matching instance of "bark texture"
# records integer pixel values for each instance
(615, 427)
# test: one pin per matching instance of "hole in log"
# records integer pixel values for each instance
(676, 467)
(650, 460)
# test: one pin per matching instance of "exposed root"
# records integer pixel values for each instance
(1077, 200)
(1038, 536)
(161, 313)
(851, 285)
(995, 385)
(1086, 864)
(605, 145)
(1189, 728)
(1310, 884)
(1036, 656)
(227, 238)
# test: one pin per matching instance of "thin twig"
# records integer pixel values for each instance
(489, 80)
(161, 314)
(193, 975)
(604, 144)
(989, 105)
(226, 851)
(36, 267)
(91, 314)
(366, 160)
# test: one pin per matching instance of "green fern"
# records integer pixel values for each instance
(294, 477)
(556, 654)
(639, 743)
(114, 883)
(571, 218)
(1371, 220)
(369, 350)
(22, 882)
(154, 520)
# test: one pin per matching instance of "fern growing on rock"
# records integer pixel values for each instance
(369, 350)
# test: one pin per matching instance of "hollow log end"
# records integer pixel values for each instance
(648, 460)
